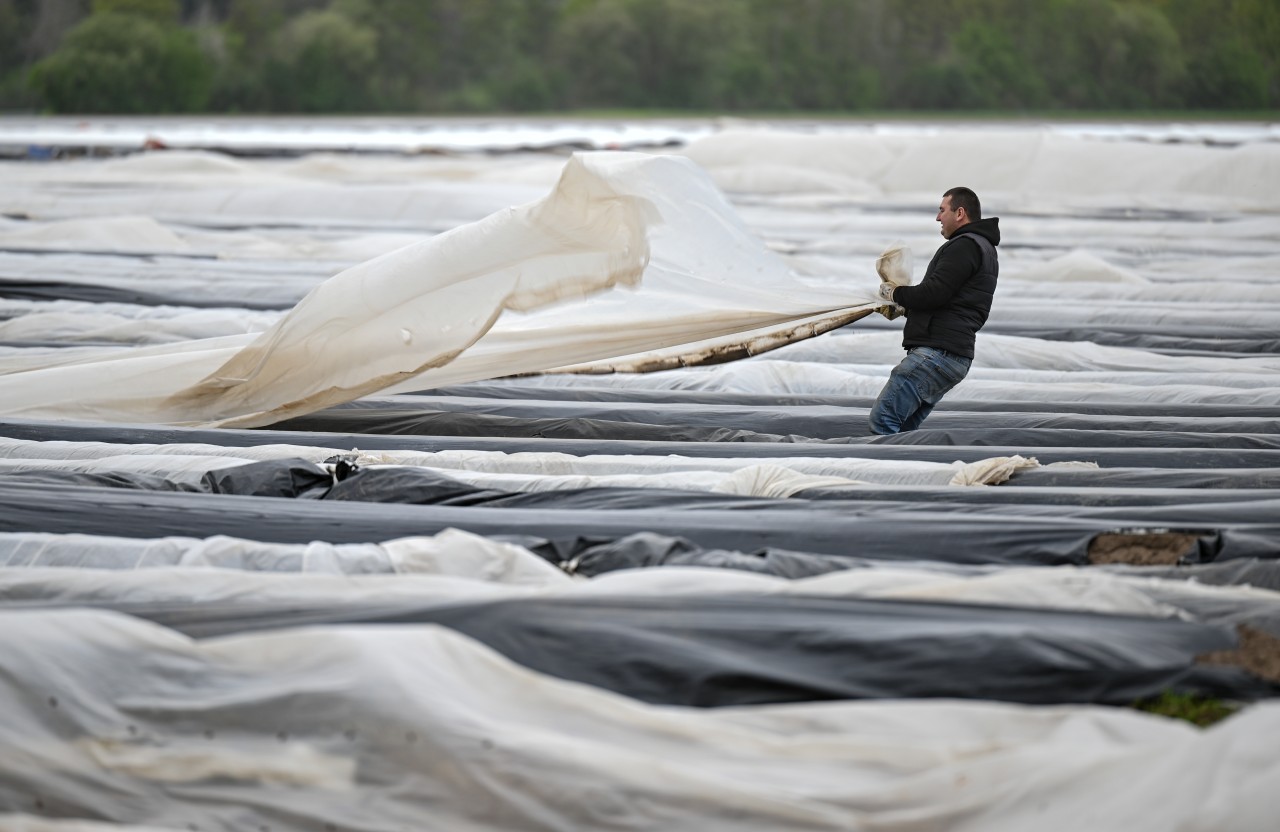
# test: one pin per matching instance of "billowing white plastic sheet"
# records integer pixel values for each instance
(441, 311)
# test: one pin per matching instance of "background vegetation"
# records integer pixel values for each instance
(431, 56)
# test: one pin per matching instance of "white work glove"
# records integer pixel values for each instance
(894, 268)
(890, 310)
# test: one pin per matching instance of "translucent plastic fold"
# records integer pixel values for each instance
(526, 289)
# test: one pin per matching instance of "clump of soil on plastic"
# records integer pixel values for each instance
(1144, 549)
(1258, 653)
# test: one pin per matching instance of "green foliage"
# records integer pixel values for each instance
(1198, 710)
(763, 55)
(524, 86)
(30, 29)
(408, 59)
(122, 63)
(599, 49)
(320, 62)
(1258, 22)
(818, 56)
(676, 51)
(1143, 62)
(1233, 75)
(1105, 54)
(15, 93)
(995, 73)
(11, 33)
(161, 11)
(499, 47)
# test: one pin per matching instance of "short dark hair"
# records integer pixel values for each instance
(966, 199)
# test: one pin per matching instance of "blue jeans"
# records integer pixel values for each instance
(917, 384)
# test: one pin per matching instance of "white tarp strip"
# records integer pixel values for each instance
(1011, 352)
(520, 471)
(1013, 379)
(767, 376)
(431, 572)
(1015, 166)
(427, 312)
(128, 720)
(142, 235)
(85, 569)
(179, 325)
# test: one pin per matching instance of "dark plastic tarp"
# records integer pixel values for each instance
(1146, 457)
(955, 532)
(723, 650)
(816, 421)
(422, 486)
(582, 391)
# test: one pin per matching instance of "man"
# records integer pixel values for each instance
(944, 313)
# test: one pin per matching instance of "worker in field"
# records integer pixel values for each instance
(944, 313)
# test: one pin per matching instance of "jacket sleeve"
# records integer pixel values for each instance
(960, 261)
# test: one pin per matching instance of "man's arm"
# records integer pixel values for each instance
(958, 263)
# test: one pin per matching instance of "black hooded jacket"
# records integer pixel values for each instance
(948, 307)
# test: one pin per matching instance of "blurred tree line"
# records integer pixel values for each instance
(412, 56)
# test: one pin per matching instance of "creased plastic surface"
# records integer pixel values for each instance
(428, 313)
(424, 722)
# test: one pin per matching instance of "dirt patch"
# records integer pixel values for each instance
(1258, 653)
(1141, 548)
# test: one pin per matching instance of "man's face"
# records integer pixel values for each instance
(950, 220)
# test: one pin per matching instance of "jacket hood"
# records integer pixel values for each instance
(988, 227)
